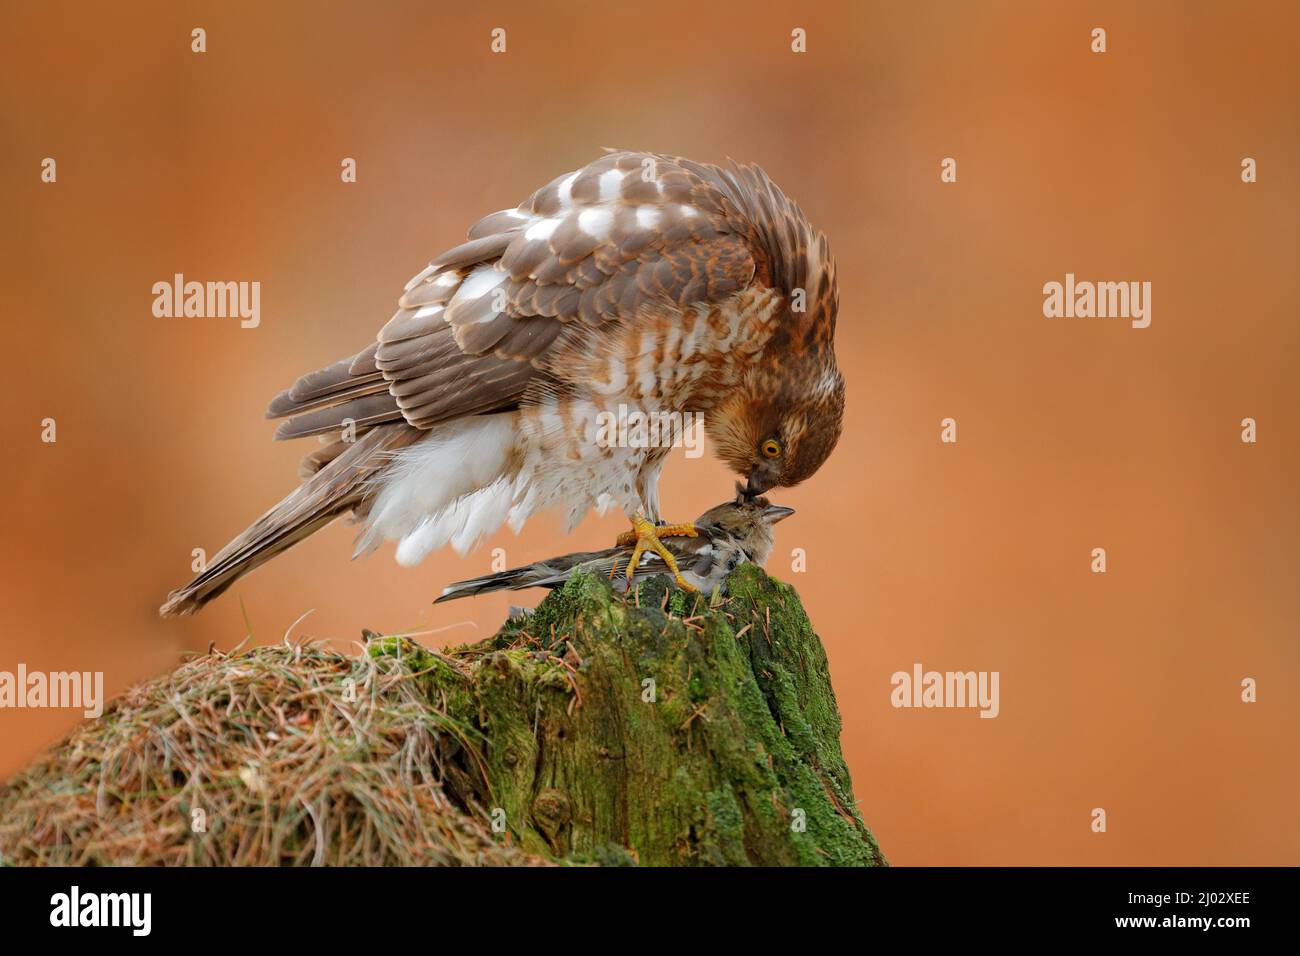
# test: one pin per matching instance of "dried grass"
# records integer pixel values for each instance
(264, 748)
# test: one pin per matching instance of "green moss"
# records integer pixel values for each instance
(415, 656)
(645, 723)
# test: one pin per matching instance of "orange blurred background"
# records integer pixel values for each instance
(1119, 691)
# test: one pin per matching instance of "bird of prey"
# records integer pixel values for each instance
(726, 536)
(641, 283)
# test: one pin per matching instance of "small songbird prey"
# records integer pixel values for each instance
(726, 536)
(640, 285)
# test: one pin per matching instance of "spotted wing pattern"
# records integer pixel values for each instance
(477, 327)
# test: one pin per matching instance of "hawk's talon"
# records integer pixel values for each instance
(645, 536)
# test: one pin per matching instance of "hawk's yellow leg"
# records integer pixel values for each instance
(645, 536)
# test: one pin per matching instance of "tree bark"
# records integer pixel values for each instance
(659, 729)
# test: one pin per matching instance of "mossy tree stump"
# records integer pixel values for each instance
(664, 728)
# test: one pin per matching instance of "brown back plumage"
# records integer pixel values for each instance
(445, 354)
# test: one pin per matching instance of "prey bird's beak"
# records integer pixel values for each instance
(775, 513)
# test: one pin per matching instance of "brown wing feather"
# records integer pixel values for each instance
(474, 330)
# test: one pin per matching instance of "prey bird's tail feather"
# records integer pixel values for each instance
(544, 574)
(512, 580)
(339, 486)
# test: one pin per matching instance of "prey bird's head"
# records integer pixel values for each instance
(748, 520)
(780, 425)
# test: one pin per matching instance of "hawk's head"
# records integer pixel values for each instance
(777, 429)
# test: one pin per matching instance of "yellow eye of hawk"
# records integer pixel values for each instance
(771, 448)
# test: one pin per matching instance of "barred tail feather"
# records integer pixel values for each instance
(337, 488)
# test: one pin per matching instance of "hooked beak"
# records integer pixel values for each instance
(775, 513)
(755, 486)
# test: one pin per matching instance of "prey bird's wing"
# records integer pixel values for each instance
(686, 551)
(690, 554)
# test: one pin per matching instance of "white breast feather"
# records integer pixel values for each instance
(445, 488)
